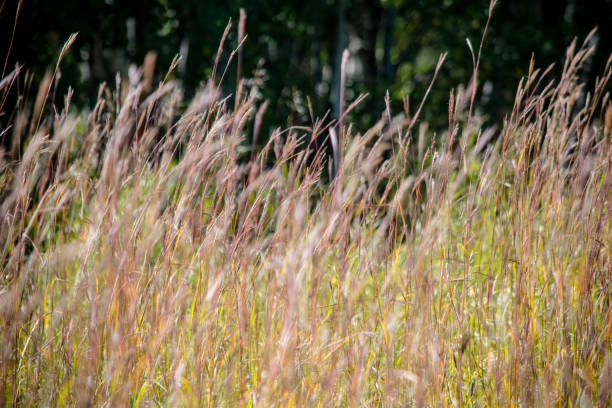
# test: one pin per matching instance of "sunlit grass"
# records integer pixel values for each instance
(146, 262)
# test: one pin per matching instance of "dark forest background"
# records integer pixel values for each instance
(293, 47)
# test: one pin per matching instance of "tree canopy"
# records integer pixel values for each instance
(294, 47)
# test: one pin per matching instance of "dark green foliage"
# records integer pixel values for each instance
(293, 46)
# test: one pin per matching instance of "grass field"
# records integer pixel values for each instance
(147, 260)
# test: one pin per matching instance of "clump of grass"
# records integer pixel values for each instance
(145, 262)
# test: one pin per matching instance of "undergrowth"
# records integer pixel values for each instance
(148, 260)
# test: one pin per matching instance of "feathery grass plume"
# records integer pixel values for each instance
(144, 263)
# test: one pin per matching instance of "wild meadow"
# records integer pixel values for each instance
(153, 254)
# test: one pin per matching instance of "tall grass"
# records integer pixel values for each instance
(145, 262)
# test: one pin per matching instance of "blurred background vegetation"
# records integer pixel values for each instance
(293, 47)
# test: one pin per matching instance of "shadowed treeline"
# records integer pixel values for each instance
(294, 48)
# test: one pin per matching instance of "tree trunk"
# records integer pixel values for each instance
(341, 43)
